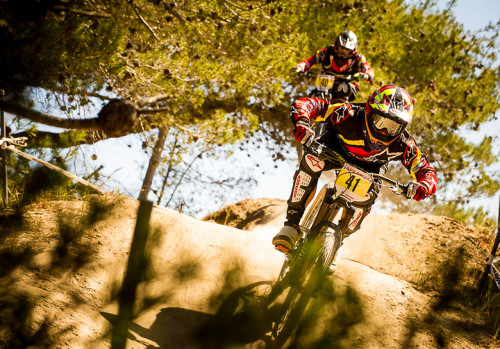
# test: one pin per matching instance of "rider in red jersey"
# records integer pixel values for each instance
(366, 135)
(341, 58)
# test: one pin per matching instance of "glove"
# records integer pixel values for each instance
(304, 133)
(416, 191)
(297, 70)
(363, 76)
(366, 77)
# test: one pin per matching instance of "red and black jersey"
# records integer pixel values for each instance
(346, 123)
(333, 62)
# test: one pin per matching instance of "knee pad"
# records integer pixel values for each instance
(301, 182)
(313, 163)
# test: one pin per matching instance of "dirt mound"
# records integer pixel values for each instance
(249, 213)
(62, 263)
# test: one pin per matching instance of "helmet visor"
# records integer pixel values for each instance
(385, 127)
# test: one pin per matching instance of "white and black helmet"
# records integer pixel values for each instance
(346, 44)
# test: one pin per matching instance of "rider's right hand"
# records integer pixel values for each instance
(304, 133)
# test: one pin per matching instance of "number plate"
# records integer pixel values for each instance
(353, 184)
(324, 82)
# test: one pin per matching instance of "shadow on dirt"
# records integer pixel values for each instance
(241, 322)
(453, 297)
(236, 322)
(173, 328)
(184, 328)
(24, 318)
(231, 320)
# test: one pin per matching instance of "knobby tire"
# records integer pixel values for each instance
(302, 278)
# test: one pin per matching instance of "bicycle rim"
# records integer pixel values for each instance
(300, 295)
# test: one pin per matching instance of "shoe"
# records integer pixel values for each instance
(331, 269)
(285, 239)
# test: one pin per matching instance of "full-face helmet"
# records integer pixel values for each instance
(389, 110)
(346, 44)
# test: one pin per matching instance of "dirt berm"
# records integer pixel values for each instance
(62, 264)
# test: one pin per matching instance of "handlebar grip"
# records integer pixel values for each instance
(319, 149)
(404, 190)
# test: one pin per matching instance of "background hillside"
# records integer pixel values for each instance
(402, 281)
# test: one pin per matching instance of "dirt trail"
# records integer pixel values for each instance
(390, 262)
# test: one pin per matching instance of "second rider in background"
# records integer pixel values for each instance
(341, 58)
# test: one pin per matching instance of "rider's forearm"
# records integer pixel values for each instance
(366, 68)
(307, 109)
(306, 64)
(427, 177)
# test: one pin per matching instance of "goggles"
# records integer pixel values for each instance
(345, 52)
(386, 126)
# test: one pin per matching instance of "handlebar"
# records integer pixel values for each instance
(353, 77)
(323, 151)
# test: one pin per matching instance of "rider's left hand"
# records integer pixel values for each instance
(364, 76)
(417, 191)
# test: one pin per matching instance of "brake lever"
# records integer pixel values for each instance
(399, 189)
(319, 148)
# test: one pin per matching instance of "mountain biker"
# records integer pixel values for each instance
(341, 58)
(366, 135)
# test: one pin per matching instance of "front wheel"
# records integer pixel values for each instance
(329, 249)
(299, 278)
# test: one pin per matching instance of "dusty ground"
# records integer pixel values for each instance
(62, 263)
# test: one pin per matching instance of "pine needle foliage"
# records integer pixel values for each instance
(219, 70)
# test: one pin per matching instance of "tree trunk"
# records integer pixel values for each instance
(153, 164)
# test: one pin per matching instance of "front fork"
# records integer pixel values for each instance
(298, 253)
(347, 212)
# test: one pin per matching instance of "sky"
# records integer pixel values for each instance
(474, 14)
(272, 179)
